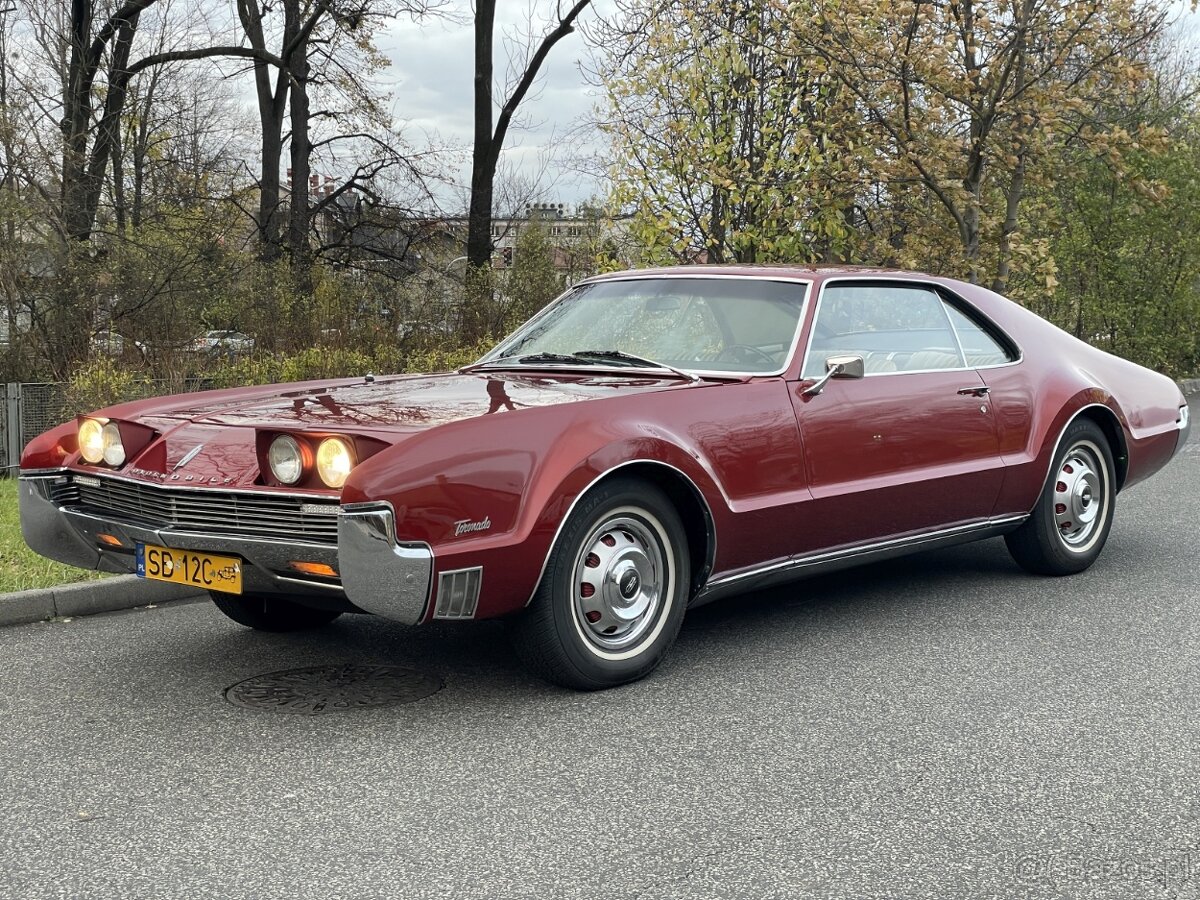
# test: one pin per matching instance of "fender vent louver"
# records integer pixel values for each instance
(458, 594)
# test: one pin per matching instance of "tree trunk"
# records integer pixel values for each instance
(272, 102)
(299, 246)
(77, 110)
(1012, 203)
(108, 132)
(489, 140)
(485, 154)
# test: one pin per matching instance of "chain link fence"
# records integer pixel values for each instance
(29, 408)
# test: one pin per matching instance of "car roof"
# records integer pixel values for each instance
(812, 272)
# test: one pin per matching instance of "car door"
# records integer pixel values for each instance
(911, 446)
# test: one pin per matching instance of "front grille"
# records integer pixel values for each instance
(260, 516)
(64, 492)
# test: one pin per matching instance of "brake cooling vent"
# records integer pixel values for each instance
(458, 594)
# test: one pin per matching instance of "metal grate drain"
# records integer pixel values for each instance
(325, 689)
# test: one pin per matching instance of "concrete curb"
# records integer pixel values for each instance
(86, 598)
(1190, 385)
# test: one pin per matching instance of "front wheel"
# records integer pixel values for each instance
(1070, 524)
(614, 592)
(271, 612)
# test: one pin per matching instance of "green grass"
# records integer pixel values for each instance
(20, 568)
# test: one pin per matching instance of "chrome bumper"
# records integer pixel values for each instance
(378, 574)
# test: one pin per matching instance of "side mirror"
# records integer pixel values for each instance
(838, 367)
(846, 366)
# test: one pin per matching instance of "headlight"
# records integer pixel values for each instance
(335, 459)
(91, 440)
(111, 447)
(286, 459)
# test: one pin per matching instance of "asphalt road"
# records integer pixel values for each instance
(942, 726)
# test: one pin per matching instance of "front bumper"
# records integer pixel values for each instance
(378, 574)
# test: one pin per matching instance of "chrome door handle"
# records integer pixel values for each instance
(981, 391)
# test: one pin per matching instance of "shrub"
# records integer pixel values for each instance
(102, 382)
(445, 357)
(342, 362)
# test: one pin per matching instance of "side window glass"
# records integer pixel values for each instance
(980, 347)
(893, 327)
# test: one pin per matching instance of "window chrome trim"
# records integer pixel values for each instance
(937, 286)
(962, 353)
(695, 276)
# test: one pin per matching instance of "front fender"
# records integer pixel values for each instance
(492, 492)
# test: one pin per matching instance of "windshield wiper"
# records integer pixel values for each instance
(629, 358)
(524, 359)
(582, 358)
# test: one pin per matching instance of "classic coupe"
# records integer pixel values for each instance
(651, 441)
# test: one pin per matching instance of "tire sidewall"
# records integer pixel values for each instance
(652, 508)
(1080, 433)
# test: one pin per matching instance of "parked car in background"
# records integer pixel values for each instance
(649, 442)
(223, 342)
(112, 343)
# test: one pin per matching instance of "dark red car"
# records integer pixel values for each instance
(651, 441)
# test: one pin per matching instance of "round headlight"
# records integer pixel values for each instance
(335, 459)
(110, 441)
(91, 440)
(286, 459)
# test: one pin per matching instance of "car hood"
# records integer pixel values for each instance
(402, 404)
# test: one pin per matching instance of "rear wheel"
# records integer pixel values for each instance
(1069, 526)
(614, 592)
(271, 612)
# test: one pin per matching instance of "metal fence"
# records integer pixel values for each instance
(29, 408)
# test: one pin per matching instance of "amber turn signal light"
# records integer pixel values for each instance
(109, 540)
(312, 568)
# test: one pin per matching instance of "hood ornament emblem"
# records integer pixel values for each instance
(188, 457)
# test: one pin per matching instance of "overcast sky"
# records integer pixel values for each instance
(431, 81)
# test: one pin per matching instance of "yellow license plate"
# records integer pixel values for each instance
(201, 570)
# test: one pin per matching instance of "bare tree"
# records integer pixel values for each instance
(489, 138)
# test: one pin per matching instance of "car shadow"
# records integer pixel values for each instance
(474, 658)
(864, 590)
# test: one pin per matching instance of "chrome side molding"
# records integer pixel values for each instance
(796, 567)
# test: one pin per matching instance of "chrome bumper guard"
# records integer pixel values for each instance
(378, 574)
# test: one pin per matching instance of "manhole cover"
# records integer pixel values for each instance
(323, 689)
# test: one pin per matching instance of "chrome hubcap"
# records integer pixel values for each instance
(619, 575)
(1079, 496)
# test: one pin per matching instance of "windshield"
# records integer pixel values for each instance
(738, 325)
